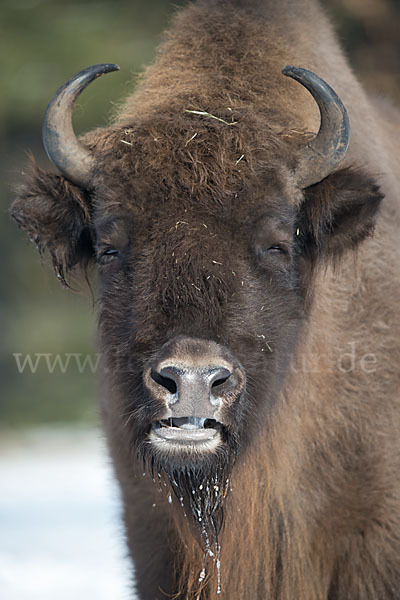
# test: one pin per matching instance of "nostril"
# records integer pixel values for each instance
(219, 376)
(220, 381)
(166, 382)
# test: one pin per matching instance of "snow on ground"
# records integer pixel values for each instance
(60, 532)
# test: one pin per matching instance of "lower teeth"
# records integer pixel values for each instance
(184, 422)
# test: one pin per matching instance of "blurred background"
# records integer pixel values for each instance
(52, 456)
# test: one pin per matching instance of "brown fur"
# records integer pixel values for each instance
(314, 509)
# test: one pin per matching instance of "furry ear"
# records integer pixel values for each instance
(337, 214)
(55, 215)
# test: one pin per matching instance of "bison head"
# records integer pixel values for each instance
(207, 229)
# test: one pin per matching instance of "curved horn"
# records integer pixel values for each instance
(62, 147)
(328, 148)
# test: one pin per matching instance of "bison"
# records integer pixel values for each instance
(248, 318)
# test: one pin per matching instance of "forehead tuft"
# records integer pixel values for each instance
(206, 160)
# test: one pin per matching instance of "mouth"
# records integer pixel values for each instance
(197, 433)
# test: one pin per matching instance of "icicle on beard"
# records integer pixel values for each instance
(201, 486)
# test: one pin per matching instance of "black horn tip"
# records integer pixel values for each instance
(77, 83)
(315, 85)
(97, 70)
(294, 72)
(288, 69)
(111, 67)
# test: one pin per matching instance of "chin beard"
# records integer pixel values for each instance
(200, 485)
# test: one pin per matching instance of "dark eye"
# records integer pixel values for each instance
(108, 254)
(275, 256)
(276, 248)
(262, 252)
